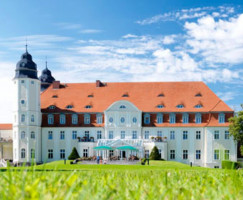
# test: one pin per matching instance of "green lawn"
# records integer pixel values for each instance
(159, 180)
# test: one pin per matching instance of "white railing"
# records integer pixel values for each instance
(3, 163)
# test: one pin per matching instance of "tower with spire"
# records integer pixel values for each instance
(46, 78)
(27, 112)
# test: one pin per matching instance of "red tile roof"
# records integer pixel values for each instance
(6, 126)
(144, 95)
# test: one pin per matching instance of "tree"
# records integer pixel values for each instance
(154, 155)
(236, 129)
(74, 154)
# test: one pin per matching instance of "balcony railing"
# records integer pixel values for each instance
(86, 139)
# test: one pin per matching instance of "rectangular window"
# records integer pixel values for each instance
(22, 118)
(62, 119)
(185, 154)
(216, 154)
(85, 153)
(159, 133)
(99, 118)
(74, 119)
(50, 135)
(185, 118)
(226, 154)
(50, 119)
(198, 154)
(172, 118)
(172, 135)
(99, 135)
(226, 135)
(86, 136)
(123, 135)
(172, 154)
(198, 118)
(216, 135)
(50, 153)
(74, 136)
(62, 135)
(110, 134)
(134, 135)
(32, 135)
(185, 135)
(198, 135)
(221, 118)
(159, 118)
(146, 135)
(62, 153)
(86, 119)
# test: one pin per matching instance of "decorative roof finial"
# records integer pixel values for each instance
(46, 62)
(26, 46)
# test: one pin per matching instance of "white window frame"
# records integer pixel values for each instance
(50, 154)
(172, 154)
(198, 135)
(74, 119)
(87, 119)
(99, 135)
(185, 135)
(99, 119)
(50, 119)
(134, 135)
(185, 118)
(216, 154)
(216, 135)
(62, 119)
(23, 153)
(123, 135)
(147, 118)
(74, 135)
(159, 118)
(62, 135)
(172, 118)
(32, 135)
(172, 135)
(198, 118)
(111, 135)
(185, 155)
(221, 118)
(62, 154)
(146, 135)
(226, 135)
(50, 135)
(198, 154)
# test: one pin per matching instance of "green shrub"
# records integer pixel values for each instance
(226, 164)
(74, 154)
(154, 155)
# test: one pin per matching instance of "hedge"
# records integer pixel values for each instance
(226, 164)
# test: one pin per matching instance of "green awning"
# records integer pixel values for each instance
(102, 148)
(127, 148)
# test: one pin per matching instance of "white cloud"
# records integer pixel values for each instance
(68, 26)
(90, 31)
(185, 14)
(226, 96)
(218, 41)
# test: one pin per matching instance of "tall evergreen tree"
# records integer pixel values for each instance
(74, 154)
(154, 155)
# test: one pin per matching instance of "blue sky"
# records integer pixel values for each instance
(126, 41)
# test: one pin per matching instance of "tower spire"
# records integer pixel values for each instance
(26, 45)
(46, 62)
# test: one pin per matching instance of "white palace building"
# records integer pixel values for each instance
(185, 120)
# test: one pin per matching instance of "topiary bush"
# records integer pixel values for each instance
(74, 154)
(154, 155)
(226, 164)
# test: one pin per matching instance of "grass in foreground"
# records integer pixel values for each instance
(160, 180)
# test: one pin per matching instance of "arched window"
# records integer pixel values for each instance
(52, 107)
(198, 118)
(50, 119)
(134, 120)
(147, 118)
(86, 119)
(22, 118)
(159, 118)
(110, 119)
(69, 106)
(122, 119)
(32, 135)
(99, 119)
(160, 106)
(221, 118)
(185, 118)
(22, 135)
(172, 118)
(32, 118)
(32, 153)
(23, 153)
(62, 119)
(74, 119)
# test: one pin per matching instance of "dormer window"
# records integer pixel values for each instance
(185, 118)
(198, 106)
(122, 106)
(54, 96)
(160, 106)
(52, 107)
(221, 118)
(198, 95)
(125, 95)
(180, 106)
(88, 106)
(90, 95)
(69, 106)
(161, 95)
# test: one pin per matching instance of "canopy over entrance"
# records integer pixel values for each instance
(103, 148)
(127, 148)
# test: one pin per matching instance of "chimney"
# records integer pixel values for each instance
(56, 84)
(99, 83)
